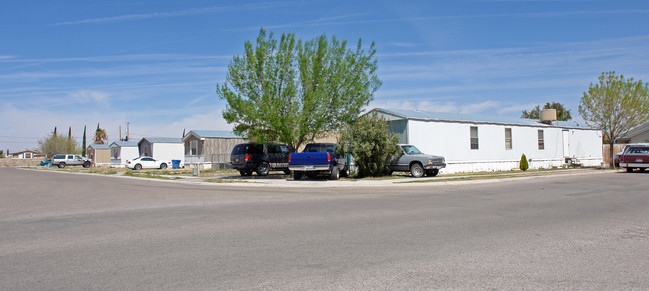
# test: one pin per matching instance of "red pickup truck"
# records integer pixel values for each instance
(635, 157)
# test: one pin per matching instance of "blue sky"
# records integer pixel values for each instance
(155, 64)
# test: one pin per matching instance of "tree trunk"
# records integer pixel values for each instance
(611, 152)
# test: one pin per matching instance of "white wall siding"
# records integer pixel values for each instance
(125, 154)
(452, 140)
(169, 151)
(640, 138)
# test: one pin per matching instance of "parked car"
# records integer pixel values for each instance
(47, 162)
(260, 158)
(635, 157)
(618, 155)
(147, 163)
(62, 160)
(417, 163)
(318, 159)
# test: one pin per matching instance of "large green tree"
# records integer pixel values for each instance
(293, 91)
(58, 144)
(563, 114)
(371, 144)
(615, 105)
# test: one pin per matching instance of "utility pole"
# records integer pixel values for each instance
(127, 130)
(120, 133)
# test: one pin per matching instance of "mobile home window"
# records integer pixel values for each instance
(508, 138)
(541, 141)
(193, 147)
(115, 153)
(474, 137)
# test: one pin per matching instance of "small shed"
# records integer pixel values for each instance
(210, 148)
(99, 154)
(122, 151)
(163, 148)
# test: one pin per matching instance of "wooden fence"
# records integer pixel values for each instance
(607, 155)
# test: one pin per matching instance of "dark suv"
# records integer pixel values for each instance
(260, 158)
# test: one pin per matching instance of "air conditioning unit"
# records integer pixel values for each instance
(548, 115)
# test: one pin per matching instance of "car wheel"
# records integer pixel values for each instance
(137, 167)
(87, 165)
(262, 169)
(335, 174)
(163, 166)
(629, 170)
(61, 165)
(297, 175)
(416, 170)
(432, 173)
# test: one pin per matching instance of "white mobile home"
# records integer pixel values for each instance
(477, 143)
(162, 148)
(122, 151)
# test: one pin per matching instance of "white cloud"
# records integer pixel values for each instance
(489, 107)
(89, 96)
(187, 12)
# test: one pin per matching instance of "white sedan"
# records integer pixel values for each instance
(146, 162)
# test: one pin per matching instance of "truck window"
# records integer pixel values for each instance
(273, 149)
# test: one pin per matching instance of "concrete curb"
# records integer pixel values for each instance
(401, 182)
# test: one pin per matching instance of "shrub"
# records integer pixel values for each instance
(371, 144)
(524, 165)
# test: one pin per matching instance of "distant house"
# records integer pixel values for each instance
(472, 143)
(639, 134)
(210, 148)
(27, 154)
(121, 151)
(99, 154)
(162, 148)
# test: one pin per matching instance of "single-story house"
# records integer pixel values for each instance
(122, 151)
(472, 143)
(26, 154)
(99, 154)
(210, 148)
(162, 148)
(639, 134)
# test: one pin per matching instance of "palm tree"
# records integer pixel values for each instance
(100, 135)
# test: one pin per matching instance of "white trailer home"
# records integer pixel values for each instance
(162, 148)
(122, 151)
(477, 143)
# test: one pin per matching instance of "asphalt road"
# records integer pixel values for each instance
(70, 231)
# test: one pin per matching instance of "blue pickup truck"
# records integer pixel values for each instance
(318, 159)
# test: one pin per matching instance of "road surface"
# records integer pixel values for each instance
(71, 231)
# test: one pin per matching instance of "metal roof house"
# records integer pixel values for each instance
(210, 147)
(474, 143)
(99, 154)
(639, 134)
(162, 148)
(122, 151)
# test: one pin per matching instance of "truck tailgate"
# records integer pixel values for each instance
(301, 159)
